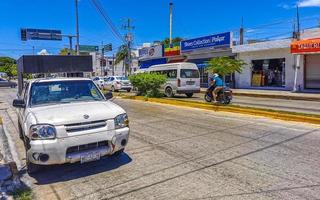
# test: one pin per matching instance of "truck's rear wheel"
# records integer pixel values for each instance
(169, 92)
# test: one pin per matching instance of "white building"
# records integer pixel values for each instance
(271, 65)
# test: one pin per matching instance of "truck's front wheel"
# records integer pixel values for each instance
(31, 167)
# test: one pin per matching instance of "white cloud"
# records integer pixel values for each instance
(285, 6)
(309, 3)
(43, 52)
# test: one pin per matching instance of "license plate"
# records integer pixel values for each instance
(89, 157)
(190, 82)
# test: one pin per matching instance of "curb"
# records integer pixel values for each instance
(275, 96)
(287, 116)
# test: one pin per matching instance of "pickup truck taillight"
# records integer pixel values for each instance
(179, 82)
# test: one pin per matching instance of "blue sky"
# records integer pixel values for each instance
(192, 18)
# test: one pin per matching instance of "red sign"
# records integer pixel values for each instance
(306, 46)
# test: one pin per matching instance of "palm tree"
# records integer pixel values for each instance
(224, 66)
(123, 55)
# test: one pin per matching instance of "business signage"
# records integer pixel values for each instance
(151, 52)
(306, 46)
(222, 40)
(172, 50)
(40, 34)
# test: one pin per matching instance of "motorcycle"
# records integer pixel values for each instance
(224, 96)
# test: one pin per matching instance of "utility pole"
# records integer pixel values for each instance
(129, 39)
(70, 44)
(241, 39)
(77, 28)
(171, 10)
(296, 57)
(113, 65)
(102, 60)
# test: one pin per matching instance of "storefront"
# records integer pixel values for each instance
(269, 65)
(309, 52)
(201, 50)
(268, 72)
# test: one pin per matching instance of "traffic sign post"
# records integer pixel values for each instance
(88, 48)
(40, 34)
(107, 47)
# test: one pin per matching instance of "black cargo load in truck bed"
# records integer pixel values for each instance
(39, 64)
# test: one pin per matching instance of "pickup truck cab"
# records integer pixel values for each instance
(67, 120)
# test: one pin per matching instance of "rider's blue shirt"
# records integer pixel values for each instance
(218, 82)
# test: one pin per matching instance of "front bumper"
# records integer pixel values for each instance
(56, 149)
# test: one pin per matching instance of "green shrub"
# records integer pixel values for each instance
(148, 84)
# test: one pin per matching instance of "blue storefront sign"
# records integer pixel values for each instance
(148, 63)
(222, 40)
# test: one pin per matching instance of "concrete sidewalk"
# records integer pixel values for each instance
(288, 95)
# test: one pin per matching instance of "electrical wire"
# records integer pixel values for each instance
(107, 19)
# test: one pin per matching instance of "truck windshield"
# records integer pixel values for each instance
(58, 92)
(189, 73)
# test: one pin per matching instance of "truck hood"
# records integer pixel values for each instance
(74, 112)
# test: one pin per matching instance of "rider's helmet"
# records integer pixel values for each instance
(215, 75)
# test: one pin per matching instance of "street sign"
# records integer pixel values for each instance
(40, 34)
(88, 48)
(108, 47)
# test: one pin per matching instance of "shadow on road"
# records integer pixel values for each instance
(61, 173)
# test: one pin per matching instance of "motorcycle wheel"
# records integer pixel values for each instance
(207, 98)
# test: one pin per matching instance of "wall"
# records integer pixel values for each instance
(243, 80)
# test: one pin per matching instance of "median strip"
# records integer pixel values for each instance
(283, 115)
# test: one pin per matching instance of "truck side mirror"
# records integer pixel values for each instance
(19, 103)
(108, 95)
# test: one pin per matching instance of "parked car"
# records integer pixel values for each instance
(99, 81)
(67, 120)
(182, 78)
(116, 83)
(7, 83)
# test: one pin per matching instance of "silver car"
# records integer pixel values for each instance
(116, 83)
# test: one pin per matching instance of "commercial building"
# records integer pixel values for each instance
(152, 55)
(201, 50)
(280, 64)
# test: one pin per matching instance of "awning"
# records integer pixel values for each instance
(306, 46)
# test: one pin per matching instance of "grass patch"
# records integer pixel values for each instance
(22, 194)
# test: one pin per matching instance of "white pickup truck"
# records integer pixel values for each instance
(67, 120)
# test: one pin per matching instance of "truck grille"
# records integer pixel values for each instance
(86, 147)
(85, 126)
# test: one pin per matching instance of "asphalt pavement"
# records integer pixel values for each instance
(186, 153)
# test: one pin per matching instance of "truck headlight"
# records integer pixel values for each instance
(121, 121)
(42, 132)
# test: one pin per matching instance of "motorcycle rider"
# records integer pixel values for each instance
(218, 84)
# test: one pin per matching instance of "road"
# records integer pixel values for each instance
(184, 153)
(298, 106)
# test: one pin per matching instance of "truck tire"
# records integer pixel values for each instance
(118, 153)
(169, 92)
(21, 134)
(31, 167)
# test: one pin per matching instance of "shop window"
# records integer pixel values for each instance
(268, 73)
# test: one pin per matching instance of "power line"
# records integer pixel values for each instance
(107, 19)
